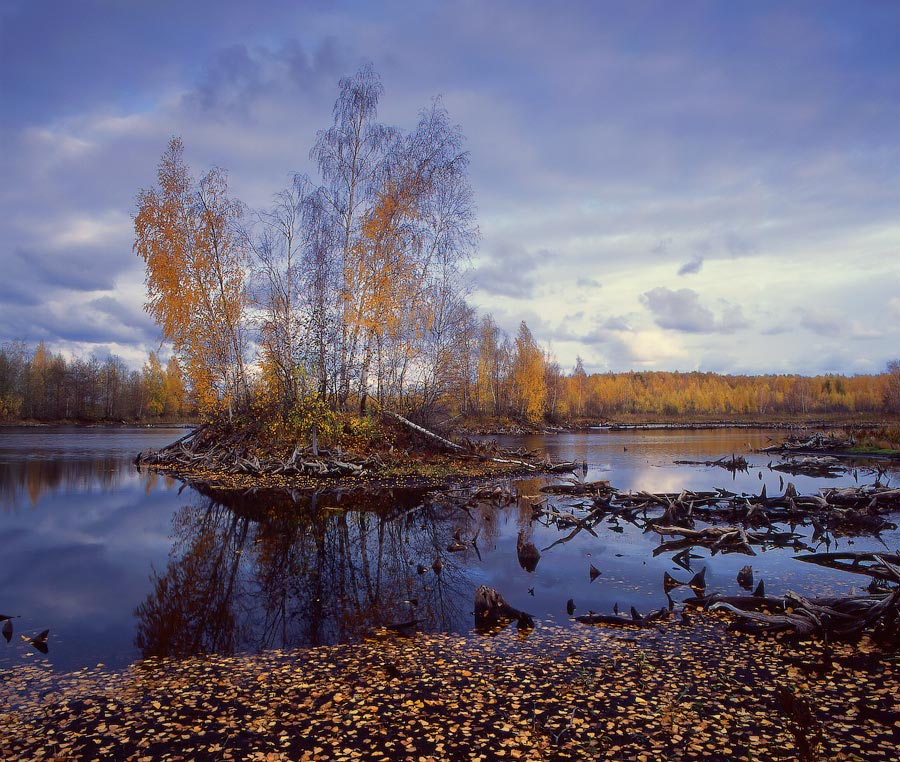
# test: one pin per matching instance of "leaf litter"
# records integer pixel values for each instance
(671, 692)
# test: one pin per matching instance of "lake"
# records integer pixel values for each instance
(120, 564)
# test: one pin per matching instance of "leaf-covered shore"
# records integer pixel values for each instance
(683, 691)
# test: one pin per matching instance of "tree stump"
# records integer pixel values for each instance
(492, 611)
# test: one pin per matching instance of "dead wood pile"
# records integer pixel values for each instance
(822, 466)
(818, 442)
(841, 617)
(219, 449)
(209, 449)
(739, 522)
(732, 464)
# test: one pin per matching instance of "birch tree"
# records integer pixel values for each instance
(186, 233)
(350, 156)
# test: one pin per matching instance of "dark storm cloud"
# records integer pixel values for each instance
(127, 315)
(76, 268)
(681, 311)
(69, 56)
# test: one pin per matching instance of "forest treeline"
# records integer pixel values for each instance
(498, 377)
(36, 384)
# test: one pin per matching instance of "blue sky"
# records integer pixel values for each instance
(693, 185)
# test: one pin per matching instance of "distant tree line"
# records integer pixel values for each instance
(517, 378)
(496, 376)
(37, 384)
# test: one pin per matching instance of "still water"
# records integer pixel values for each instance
(120, 564)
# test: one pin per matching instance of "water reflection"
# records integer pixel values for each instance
(37, 462)
(31, 480)
(264, 570)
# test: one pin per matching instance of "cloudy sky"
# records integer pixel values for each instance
(692, 185)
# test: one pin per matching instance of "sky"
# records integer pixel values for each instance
(698, 185)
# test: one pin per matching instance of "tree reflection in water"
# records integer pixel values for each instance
(276, 569)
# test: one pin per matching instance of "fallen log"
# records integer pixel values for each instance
(808, 465)
(445, 443)
(617, 620)
(453, 446)
(577, 487)
(734, 463)
(828, 617)
(883, 566)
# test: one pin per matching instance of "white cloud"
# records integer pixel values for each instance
(894, 307)
(89, 230)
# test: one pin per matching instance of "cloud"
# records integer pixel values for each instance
(616, 323)
(736, 133)
(894, 307)
(239, 77)
(692, 267)
(511, 271)
(859, 330)
(822, 322)
(646, 349)
(681, 311)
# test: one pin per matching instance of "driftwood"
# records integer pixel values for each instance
(882, 566)
(500, 494)
(491, 611)
(430, 435)
(724, 539)
(840, 617)
(734, 463)
(617, 620)
(578, 487)
(818, 442)
(452, 446)
(823, 466)
(848, 510)
(218, 450)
